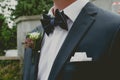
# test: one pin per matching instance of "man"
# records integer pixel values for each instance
(92, 33)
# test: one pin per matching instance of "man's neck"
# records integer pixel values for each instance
(61, 4)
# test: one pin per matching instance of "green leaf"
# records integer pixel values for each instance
(32, 7)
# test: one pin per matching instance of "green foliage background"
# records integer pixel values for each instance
(23, 8)
(10, 70)
(31, 7)
(7, 36)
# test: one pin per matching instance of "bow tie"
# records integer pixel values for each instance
(49, 23)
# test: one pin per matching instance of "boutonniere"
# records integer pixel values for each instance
(33, 40)
(34, 35)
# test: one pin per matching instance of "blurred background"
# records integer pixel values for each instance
(17, 18)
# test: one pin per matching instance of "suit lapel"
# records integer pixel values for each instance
(79, 29)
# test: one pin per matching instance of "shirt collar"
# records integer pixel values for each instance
(51, 11)
(73, 10)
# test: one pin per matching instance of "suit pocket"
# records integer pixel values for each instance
(77, 70)
(86, 70)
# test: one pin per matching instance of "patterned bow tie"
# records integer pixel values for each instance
(49, 22)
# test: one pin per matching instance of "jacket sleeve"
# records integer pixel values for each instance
(115, 48)
(30, 61)
(114, 56)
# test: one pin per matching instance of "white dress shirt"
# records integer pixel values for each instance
(54, 41)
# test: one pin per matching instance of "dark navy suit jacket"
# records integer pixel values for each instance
(96, 32)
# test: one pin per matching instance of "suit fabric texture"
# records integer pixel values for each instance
(96, 32)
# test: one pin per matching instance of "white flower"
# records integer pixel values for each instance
(34, 35)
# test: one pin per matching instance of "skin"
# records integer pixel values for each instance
(61, 4)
